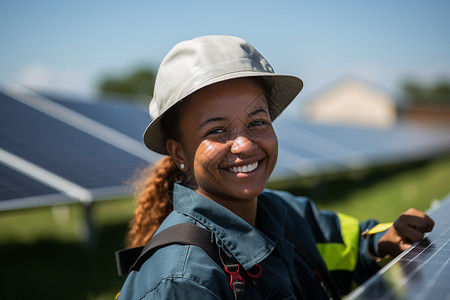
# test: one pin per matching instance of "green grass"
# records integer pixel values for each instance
(43, 256)
(382, 193)
(385, 194)
(60, 222)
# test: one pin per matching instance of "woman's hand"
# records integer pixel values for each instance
(410, 227)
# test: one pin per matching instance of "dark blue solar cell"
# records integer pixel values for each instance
(15, 185)
(352, 138)
(127, 118)
(62, 149)
(329, 146)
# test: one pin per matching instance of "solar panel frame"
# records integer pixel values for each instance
(421, 272)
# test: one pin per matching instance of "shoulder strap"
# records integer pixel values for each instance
(126, 258)
(183, 234)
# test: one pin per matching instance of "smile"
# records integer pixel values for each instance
(244, 169)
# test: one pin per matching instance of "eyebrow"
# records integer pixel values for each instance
(253, 113)
(209, 121)
(258, 111)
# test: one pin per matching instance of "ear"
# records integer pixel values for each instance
(176, 152)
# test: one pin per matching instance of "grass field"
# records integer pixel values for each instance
(43, 257)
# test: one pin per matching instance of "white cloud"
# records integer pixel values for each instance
(43, 77)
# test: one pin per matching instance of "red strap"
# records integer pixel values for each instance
(235, 276)
(256, 274)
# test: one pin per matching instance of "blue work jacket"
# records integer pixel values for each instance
(187, 272)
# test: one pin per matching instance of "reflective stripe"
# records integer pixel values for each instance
(342, 256)
(379, 228)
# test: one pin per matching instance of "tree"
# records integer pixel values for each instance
(419, 93)
(140, 81)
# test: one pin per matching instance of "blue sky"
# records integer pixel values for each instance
(69, 45)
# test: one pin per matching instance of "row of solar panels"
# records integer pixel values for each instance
(53, 149)
(308, 149)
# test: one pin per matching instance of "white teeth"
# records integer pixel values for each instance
(244, 169)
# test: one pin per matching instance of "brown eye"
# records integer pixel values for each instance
(217, 134)
(258, 123)
(216, 131)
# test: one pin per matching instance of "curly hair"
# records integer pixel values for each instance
(154, 198)
(154, 188)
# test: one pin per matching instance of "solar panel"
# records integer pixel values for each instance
(313, 149)
(45, 159)
(17, 185)
(62, 149)
(127, 118)
(421, 272)
(19, 191)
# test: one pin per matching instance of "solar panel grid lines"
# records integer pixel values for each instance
(439, 272)
(78, 121)
(36, 143)
(316, 140)
(294, 163)
(306, 154)
(44, 176)
(416, 269)
(14, 184)
(318, 147)
(128, 118)
(421, 272)
(61, 148)
(401, 143)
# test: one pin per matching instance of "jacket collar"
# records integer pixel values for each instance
(246, 243)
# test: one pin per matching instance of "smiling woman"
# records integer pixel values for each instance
(227, 144)
(214, 102)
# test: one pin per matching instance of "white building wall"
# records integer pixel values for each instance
(353, 102)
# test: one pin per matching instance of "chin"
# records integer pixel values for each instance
(251, 193)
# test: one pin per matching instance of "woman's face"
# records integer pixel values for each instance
(227, 141)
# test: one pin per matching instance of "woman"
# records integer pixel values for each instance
(214, 102)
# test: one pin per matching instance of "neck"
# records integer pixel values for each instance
(246, 209)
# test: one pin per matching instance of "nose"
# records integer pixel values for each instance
(241, 144)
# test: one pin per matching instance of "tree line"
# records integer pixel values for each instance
(142, 80)
(415, 92)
